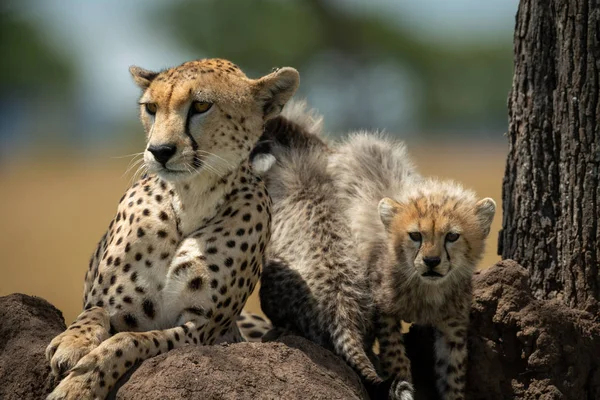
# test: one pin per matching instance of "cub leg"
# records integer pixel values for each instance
(451, 358)
(393, 359)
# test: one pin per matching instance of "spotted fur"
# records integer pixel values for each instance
(366, 194)
(253, 327)
(420, 240)
(186, 247)
(313, 283)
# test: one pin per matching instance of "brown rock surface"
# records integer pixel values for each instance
(292, 369)
(27, 325)
(519, 347)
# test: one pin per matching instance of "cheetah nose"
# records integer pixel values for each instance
(162, 153)
(432, 262)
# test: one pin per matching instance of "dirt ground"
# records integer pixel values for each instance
(519, 348)
(53, 213)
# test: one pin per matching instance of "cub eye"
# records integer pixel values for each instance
(452, 237)
(415, 236)
(199, 107)
(151, 108)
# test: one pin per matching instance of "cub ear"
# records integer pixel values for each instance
(388, 208)
(275, 89)
(485, 210)
(142, 77)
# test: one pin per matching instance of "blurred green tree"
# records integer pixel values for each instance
(33, 76)
(464, 85)
(28, 62)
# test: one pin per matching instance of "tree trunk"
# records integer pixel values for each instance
(551, 194)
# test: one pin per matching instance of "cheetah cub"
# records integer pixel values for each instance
(420, 240)
(185, 248)
(313, 284)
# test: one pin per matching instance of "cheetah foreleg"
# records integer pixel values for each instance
(96, 374)
(393, 359)
(85, 334)
(450, 357)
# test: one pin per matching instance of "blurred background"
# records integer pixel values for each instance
(435, 73)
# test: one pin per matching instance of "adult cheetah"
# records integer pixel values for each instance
(185, 249)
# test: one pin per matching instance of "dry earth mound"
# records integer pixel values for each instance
(519, 348)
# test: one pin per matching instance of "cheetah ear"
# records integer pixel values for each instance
(388, 208)
(275, 89)
(485, 210)
(142, 77)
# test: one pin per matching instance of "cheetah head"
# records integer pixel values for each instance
(438, 231)
(204, 117)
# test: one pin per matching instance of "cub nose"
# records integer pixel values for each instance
(162, 153)
(432, 262)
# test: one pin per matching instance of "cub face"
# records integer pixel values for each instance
(205, 116)
(437, 236)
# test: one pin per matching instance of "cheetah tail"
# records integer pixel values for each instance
(348, 344)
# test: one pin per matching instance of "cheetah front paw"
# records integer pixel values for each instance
(401, 390)
(75, 387)
(84, 382)
(65, 350)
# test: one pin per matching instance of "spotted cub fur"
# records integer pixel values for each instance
(312, 283)
(420, 240)
(362, 242)
(186, 246)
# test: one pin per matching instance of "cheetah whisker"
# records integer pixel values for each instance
(134, 161)
(218, 158)
(128, 155)
(216, 161)
(212, 169)
(134, 157)
(189, 168)
(222, 170)
(138, 173)
(133, 164)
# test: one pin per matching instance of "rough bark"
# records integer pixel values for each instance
(551, 193)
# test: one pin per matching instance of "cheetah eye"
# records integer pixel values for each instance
(452, 237)
(415, 236)
(200, 107)
(151, 108)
